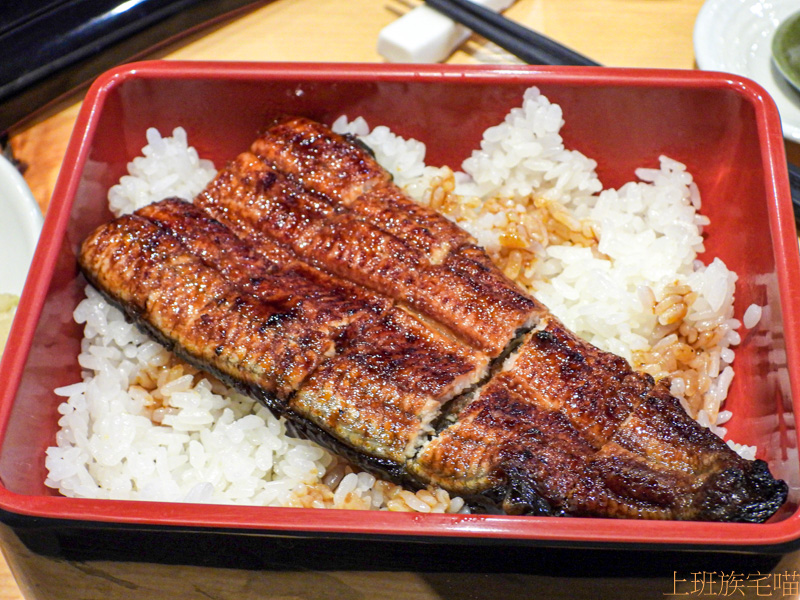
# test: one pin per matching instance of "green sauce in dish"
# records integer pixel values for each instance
(786, 49)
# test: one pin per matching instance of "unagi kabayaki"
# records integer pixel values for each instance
(303, 276)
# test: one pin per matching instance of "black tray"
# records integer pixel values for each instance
(50, 47)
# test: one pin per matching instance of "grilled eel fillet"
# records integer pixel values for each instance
(303, 277)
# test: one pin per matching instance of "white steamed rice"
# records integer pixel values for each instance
(619, 267)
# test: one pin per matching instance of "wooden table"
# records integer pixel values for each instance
(634, 33)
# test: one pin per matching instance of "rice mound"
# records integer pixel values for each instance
(619, 267)
(167, 167)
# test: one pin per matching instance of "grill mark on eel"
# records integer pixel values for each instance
(333, 165)
(349, 361)
(197, 313)
(566, 428)
(464, 294)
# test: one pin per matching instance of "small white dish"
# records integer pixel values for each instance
(735, 36)
(20, 225)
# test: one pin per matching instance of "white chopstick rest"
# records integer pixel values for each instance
(425, 35)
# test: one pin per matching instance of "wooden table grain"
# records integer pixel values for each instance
(633, 33)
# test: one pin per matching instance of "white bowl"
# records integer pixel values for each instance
(735, 36)
(20, 224)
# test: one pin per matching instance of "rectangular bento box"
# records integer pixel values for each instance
(724, 128)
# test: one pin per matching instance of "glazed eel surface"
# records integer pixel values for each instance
(304, 277)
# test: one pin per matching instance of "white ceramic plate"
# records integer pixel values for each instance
(735, 36)
(20, 224)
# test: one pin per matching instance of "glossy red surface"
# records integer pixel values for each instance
(725, 128)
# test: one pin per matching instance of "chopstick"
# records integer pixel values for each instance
(531, 47)
(535, 48)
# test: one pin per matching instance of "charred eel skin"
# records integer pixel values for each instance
(304, 291)
(566, 428)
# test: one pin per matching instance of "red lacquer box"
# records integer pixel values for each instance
(724, 128)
